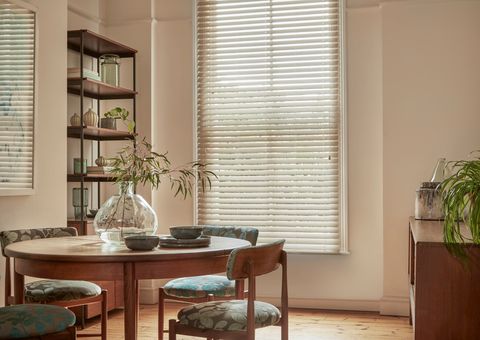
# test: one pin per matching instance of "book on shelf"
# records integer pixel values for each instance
(74, 72)
(102, 170)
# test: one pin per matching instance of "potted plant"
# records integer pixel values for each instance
(461, 203)
(110, 118)
(127, 213)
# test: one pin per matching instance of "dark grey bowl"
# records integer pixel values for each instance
(141, 242)
(186, 232)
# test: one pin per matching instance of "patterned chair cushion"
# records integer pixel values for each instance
(12, 236)
(244, 233)
(200, 286)
(46, 291)
(227, 315)
(23, 321)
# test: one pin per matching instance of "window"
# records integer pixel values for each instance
(269, 119)
(17, 85)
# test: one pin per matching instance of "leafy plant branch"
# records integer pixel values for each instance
(461, 203)
(139, 164)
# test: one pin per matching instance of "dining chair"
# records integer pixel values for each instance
(207, 287)
(37, 322)
(65, 293)
(238, 319)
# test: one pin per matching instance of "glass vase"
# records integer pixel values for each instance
(110, 69)
(123, 215)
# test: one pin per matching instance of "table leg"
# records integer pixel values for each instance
(137, 305)
(130, 301)
(18, 287)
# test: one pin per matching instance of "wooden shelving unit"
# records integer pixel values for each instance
(98, 134)
(96, 45)
(90, 178)
(88, 43)
(97, 90)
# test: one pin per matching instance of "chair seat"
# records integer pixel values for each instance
(23, 321)
(227, 315)
(200, 286)
(47, 291)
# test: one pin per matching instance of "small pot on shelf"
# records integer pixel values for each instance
(108, 123)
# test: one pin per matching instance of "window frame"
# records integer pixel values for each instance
(343, 132)
(30, 191)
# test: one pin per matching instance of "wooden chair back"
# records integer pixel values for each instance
(251, 262)
(12, 236)
(254, 261)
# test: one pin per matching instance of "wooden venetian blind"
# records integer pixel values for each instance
(269, 119)
(17, 71)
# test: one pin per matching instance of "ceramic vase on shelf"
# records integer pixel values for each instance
(101, 161)
(75, 120)
(124, 214)
(90, 118)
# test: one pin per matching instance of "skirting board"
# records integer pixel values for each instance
(395, 305)
(387, 305)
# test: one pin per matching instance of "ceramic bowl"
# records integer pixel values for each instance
(141, 242)
(186, 232)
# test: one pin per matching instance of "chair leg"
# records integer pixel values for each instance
(161, 312)
(104, 315)
(172, 332)
(72, 331)
(210, 297)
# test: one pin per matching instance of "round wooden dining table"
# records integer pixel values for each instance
(89, 258)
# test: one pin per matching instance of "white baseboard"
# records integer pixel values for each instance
(395, 305)
(388, 305)
(150, 296)
(333, 304)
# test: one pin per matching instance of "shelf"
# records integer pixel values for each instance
(86, 220)
(98, 90)
(98, 134)
(90, 178)
(96, 45)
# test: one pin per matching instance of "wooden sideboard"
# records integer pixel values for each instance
(444, 294)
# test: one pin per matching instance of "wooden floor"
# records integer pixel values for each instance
(304, 325)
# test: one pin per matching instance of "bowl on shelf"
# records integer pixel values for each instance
(141, 242)
(186, 232)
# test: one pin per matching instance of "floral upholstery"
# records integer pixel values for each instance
(219, 286)
(23, 321)
(244, 233)
(47, 291)
(12, 236)
(200, 287)
(227, 315)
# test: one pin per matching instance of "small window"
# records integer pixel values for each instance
(17, 98)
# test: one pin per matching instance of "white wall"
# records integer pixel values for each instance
(173, 91)
(47, 206)
(431, 86)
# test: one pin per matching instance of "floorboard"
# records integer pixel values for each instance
(304, 324)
